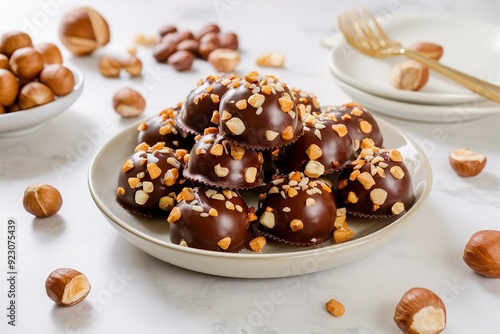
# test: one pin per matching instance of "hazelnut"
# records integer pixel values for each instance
(35, 94)
(466, 162)
(168, 29)
(482, 253)
(271, 59)
(67, 286)
(181, 60)
(4, 61)
(409, 75)
(133, 66)
(335, 307)
(83, 30)
(430, 50)
(190, 45)
(9, 87)
(206, 48)
(229, 41)
(224, 60)
(420, 311)
(42, 200)
(163, 50)
(50, 53)
(145, 40)
(110, 67)
(209, 28)
(58, 78)
(26, 63)
(11, 41)
(128, 103)
(14, 107)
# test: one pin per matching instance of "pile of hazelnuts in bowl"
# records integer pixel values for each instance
(31, 75)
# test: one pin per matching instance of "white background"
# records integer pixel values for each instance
(134, 292)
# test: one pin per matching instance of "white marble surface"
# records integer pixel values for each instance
(134, 292)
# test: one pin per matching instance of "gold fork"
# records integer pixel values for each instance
(363, 32)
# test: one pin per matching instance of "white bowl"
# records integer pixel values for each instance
(469, 46)
(28, 121)
(276, 260)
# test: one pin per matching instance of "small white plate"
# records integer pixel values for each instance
(24, 122)
(469, 46)
(419, 112)
(276, 260)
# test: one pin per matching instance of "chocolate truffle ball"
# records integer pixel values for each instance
(150, 179)
(260, 113)
(306, 102)
(197, 111)
(377, 184)
(360, 123)
(324, 148)
(210, 219)
(215, 161)
(163, 128)
(297, 210)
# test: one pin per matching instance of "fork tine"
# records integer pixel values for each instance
(366, 32)
(382, 37)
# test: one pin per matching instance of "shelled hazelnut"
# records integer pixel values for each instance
(132, 65)
(409, 75)
(128, 103)
(428, 49)
(67, 286)
(467, 163)
(42, 200)
(83, 30)
(224, 60)
(58, 78)
(272, 59)
(110, 67)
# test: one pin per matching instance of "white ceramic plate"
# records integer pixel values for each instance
(28, 121)
(419, 112)
(276, 260)
(472, 47)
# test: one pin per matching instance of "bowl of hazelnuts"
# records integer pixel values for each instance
(35, 86)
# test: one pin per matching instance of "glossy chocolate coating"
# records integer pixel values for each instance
(204, 231)
(244, 166)
(166, 159)
(163, 128)
(313, 204)
(335, 147)
(307, 102)
(354, 117)
(264, 127)
(397, 189)
(198, 107)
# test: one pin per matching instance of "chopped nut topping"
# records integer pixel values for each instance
(236, 125)
(295, 177)
(228, 193)
(340, 222)
(183, 243)
(286, 209)
(367, 143)
(250, 174)
(197, 208)
(186, 194)
(398, 208)
(141, 147)
(224, 243)
(267, 219)
(166, 129)
(238, 208)
(141, 197)
(142, 127)
(314, 169)
(341, 129)
(292, 192)
(296, 225)
(378, 196)
(226, 115)
(256, 100)
(221, 171)
(352, 198)
(218, 197)
(342, 235)
(174, 215)
(271, 135)
(229, 205)
(153, 170)
(213, 212)
(217, 150)
(257, 244)
(310, 202)
(366, 180)
(166, 203)
(127, 165)
(120, 191)
(252, 76)
(395, 156)
(237, 152)
(148, 187)
(133, 181)
(342, 183)
(286, 103)
(214, 98)
(241, 104)
(314, 152)
(287, 133)
(171, 176)
(158, 146)
(215, 117)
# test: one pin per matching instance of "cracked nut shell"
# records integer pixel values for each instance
(67, 286)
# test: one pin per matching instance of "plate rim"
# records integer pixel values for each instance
(424, 98)
(330, 249)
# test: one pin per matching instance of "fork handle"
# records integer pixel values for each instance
(481, 87)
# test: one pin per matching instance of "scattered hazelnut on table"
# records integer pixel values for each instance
(409, 75)
(132, 65)
(420, 311)
(58, 78)
(228, 41)
(13, 40)
(50, 53)
(26, 63)
(224, 60)
(466, 162)
(335, 307)
(35, 94)
(428, 49)
(163, 50)
(67, 287)
(9, 87)
(83, 30)
(482, 253)
(181, 60)
(128, 103)
(110, 67)
(42, 200)
(271, 59)
(145, 40)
